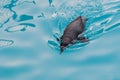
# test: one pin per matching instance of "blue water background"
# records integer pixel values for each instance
(29, 49)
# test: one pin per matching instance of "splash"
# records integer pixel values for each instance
(102, 17)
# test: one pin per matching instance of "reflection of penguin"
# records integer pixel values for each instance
(73, 32)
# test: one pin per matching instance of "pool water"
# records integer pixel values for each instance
(29, 49)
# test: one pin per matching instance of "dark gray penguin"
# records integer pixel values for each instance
(73, 32)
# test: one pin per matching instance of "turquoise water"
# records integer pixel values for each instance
(29, 49)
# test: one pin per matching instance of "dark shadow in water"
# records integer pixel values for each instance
(25, 17)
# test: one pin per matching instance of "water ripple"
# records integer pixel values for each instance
(20, 27)
(53, 44)
(50, 3)
(25, 1)
(4, 42)
(4, 18)
(4, 2)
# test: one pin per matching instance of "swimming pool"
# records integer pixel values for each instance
(29, 49)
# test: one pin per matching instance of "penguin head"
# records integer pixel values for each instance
(84, 19)
(64, 43)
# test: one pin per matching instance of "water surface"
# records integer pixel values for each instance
(29, 49)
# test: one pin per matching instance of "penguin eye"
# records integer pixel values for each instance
(65, 44)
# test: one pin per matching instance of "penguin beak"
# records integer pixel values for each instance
(61, 49)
